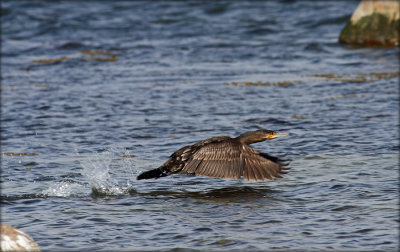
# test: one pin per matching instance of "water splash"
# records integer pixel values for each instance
(65, 189)
(104, 174)
(97, 170)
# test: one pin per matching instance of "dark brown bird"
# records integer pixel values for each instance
(224, 157)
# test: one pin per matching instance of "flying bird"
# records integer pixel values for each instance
(224, 157)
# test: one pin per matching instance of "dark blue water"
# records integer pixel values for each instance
(86, 85)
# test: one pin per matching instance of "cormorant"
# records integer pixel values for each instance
(224, 157)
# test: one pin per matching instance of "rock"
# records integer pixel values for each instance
(13, 239)
(374, 23)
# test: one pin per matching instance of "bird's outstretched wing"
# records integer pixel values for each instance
(261, 166)
(231, 159)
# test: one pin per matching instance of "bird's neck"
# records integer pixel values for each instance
(249, 139)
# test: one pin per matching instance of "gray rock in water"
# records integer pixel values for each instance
(374, 23)
(13, 239)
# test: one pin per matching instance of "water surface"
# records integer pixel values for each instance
(85, 86)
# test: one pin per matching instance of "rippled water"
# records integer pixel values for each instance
(85, 86)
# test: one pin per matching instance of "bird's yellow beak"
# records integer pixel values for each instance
(277, 134)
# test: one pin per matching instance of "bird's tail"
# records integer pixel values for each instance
(155, 173)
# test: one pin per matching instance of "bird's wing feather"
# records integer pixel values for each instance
(229, 159)
(221, 159)
(260, 166)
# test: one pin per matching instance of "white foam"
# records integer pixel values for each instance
(65, 189)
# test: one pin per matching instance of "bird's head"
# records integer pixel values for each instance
(260, 135)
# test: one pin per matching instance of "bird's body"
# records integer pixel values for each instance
(223, 157)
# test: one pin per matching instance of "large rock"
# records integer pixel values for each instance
(13, 239)
(374, 23)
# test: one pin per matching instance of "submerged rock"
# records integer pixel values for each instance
(374, 23)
